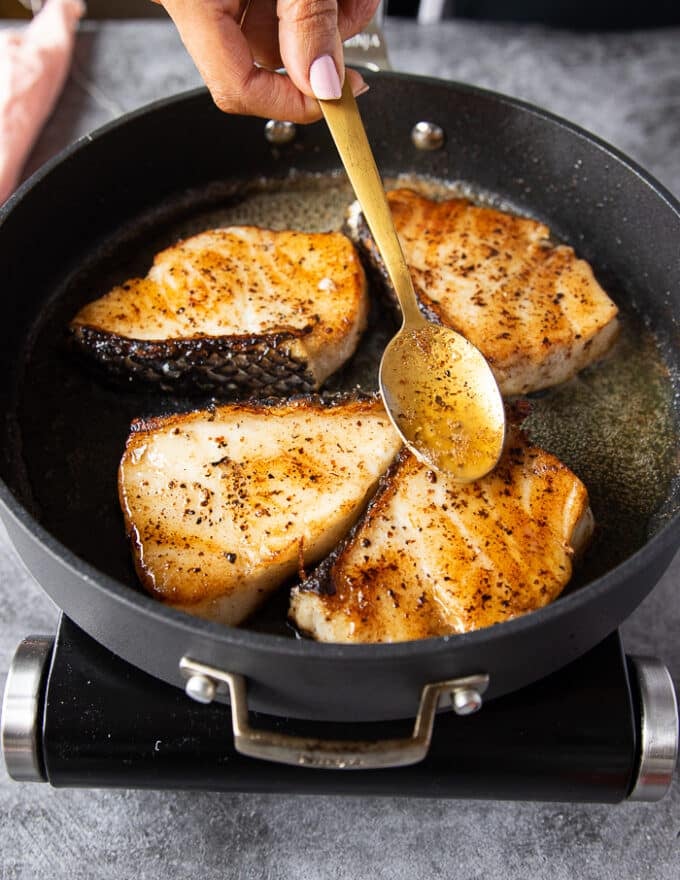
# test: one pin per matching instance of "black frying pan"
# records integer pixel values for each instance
(97, 214)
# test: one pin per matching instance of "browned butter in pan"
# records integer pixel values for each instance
(612, 425)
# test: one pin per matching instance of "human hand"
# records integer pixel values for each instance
(238, 45)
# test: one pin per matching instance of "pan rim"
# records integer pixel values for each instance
(85, 140)
(668, 535)
(241, 637)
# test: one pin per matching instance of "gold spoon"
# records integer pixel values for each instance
(438, 389)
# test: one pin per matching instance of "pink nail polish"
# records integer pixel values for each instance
(363, 88)
(324, 79)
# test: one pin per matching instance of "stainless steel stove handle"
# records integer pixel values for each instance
(658, 730)
(20, 723)
(462, 694)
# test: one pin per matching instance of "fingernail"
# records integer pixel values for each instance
(324, 79)
(363, 88)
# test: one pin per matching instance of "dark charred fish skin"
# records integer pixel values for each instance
(230, 368)
(533, 308)
(321, 581)
(237, 312)
(320, 400)
(431, 558)
(356, 229)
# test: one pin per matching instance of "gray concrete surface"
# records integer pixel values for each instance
(624, 87)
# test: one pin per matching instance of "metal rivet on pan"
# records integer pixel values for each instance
(427, 136)
(279, 132)
(466, 701)
(200, 688)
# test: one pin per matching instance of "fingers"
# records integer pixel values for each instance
(308, 42)
(225, 61)
(309, 35)
(354, 15)
(260, 28)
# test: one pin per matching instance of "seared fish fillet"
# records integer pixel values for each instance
(534, 310)
(236, 311)
(223, 505)
(432, 558)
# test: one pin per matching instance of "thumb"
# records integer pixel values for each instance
(311, 47)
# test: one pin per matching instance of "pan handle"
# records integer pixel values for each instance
(462, 694)
(368, 48)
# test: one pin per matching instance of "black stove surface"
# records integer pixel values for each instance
(570, 737)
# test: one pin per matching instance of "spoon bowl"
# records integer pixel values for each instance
(444, 404)
(438, 389)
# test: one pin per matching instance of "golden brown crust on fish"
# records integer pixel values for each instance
(237, 311)
(533, 308)
(432, 558)
(223, 505)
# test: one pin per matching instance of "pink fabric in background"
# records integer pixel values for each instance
(34, 62)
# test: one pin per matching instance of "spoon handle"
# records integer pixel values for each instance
(347, 130)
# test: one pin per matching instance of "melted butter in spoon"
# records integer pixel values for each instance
(433, 394)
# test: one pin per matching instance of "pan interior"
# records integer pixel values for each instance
(614, 424)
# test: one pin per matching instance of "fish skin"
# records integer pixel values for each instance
(534, 309)
(239, 311)
(434, 558)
